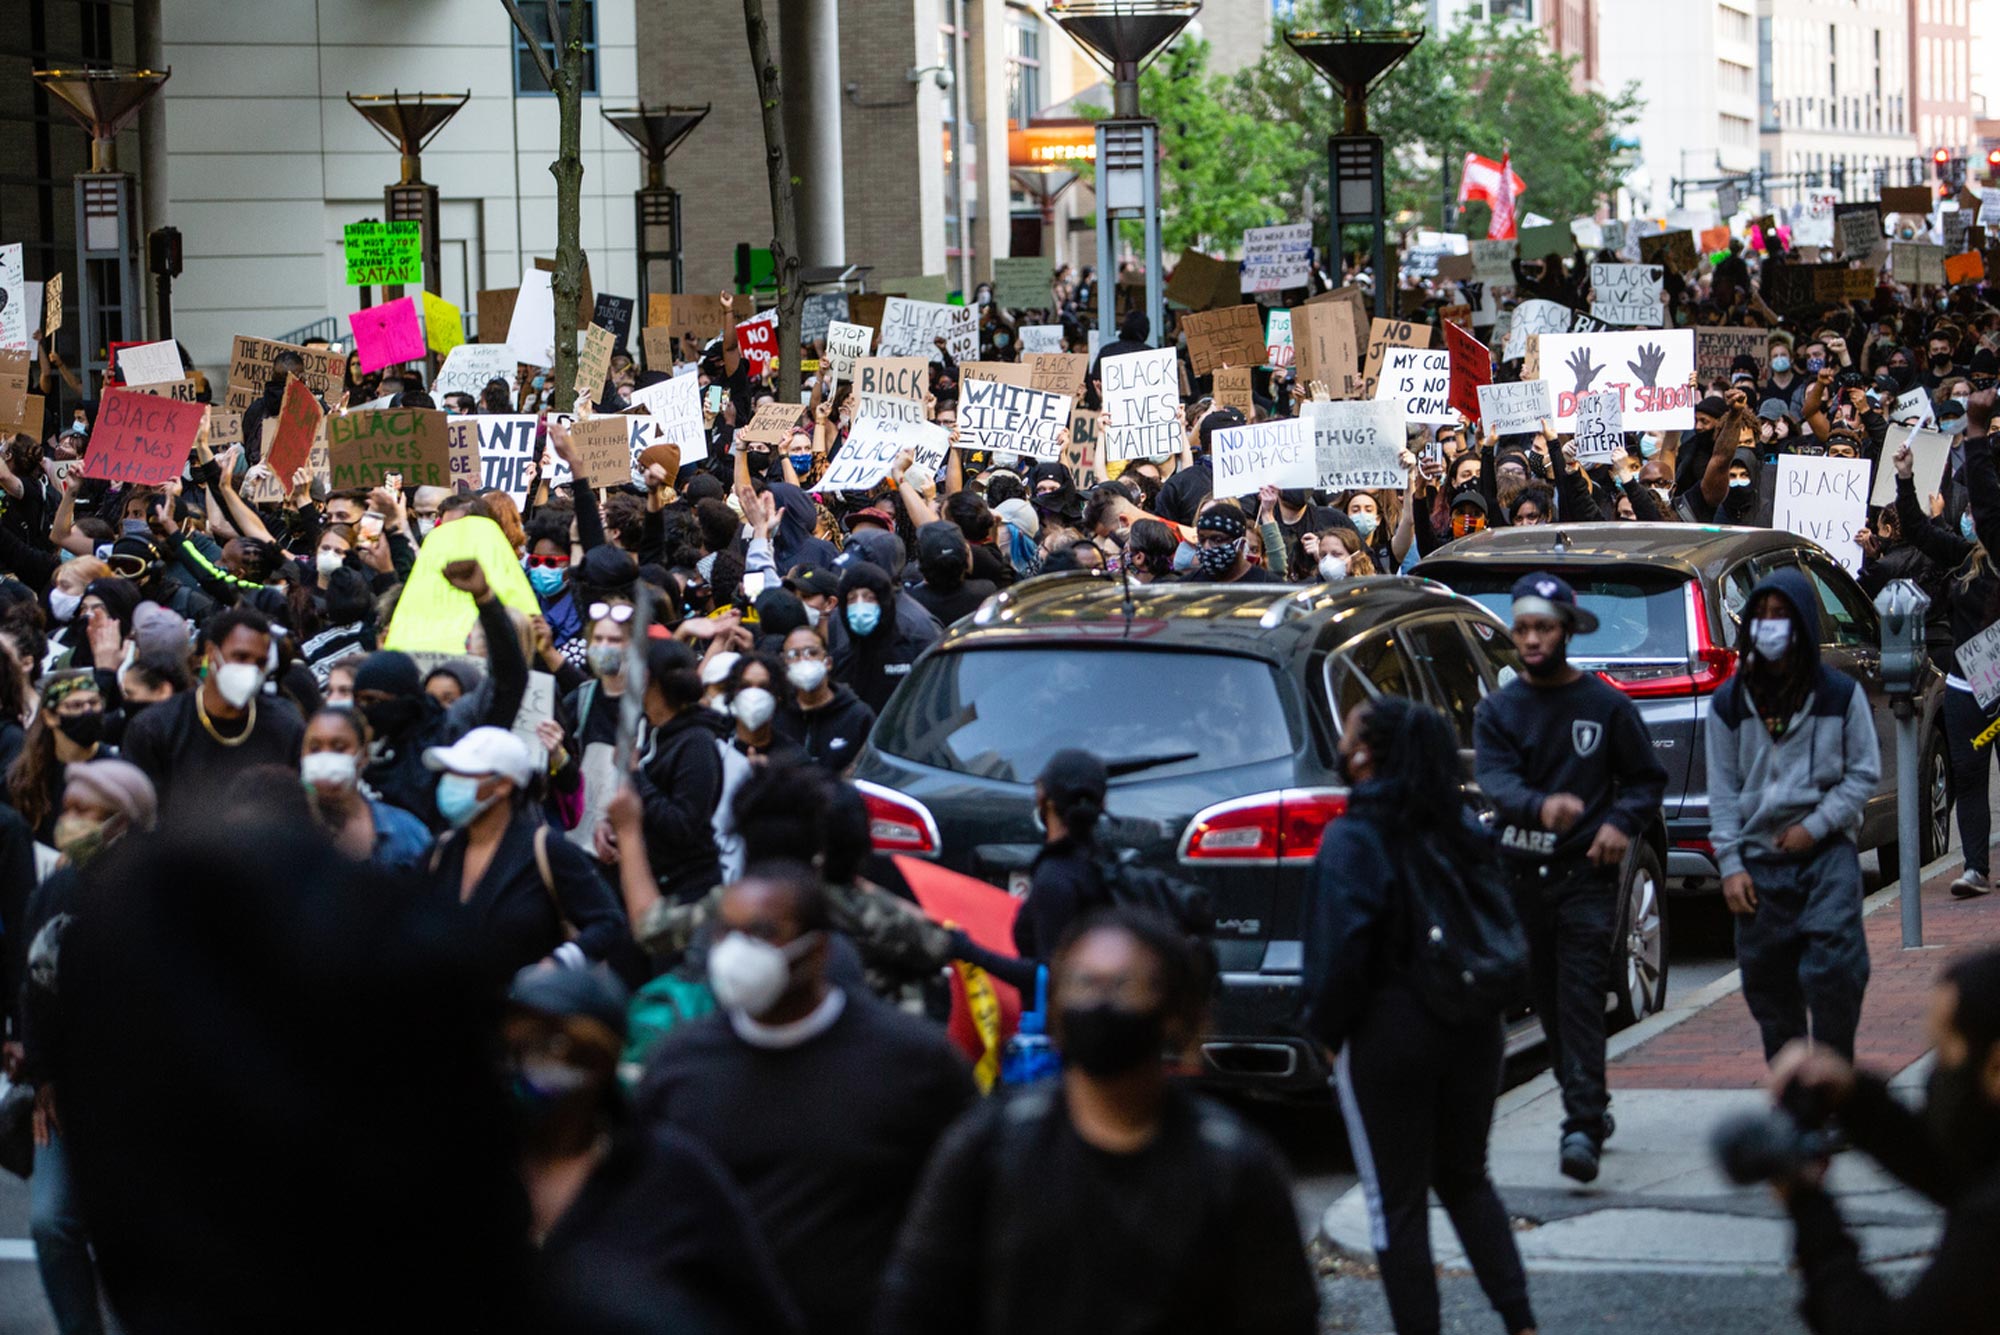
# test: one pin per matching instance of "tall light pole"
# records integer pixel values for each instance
(1354, 62)
(1123, 37)
(656, 132)
(410, 121)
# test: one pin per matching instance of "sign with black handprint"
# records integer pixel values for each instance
(1652, 372)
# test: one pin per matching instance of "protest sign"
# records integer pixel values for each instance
(384, 252)
(1956, 223)
(1967, 268)
(932, 287)
(1275, 258)
(389, 334)
(1812, 221)
(1789, 289)
(1012, 418)
(1912, 406)
(1087, 464)
(757, 337)
(366, 445)
(1518, 406)
(505, 455)
(1232, 336)
(1540, 242)
(183, 389)
(1989, 206)
(1142, 417)
(821, 309)
(1713, 240)
(531, 328)
(603, 449)
(538, 706)
(1471, 367)
(904, 378)
(1652, 370)
(444, 324)
(1041, 338)
(469, 367)
(299, 416)
(1858, 228)
(1023, 283)
(1278, 350)
(462, 437)
(1418, 381)
(1917, 263)
(1825, 500)
(1268, 454)
(1455, 268)
(434, 618)
(1600, 427)
(1382, 336)
(14, 389)
(52, 305)
(865, 308)
(1627, 294)
(1929, 451)
(659, 310)
(871, 449)
(772, 424)
(26, 418)
(593, 362)
(149, 363)
(224, 427)
(1358, 445)
(1323, 348)
(1200, 281)
(1057, 372)
(1613, 237)
(844, 344)
(1232, 390)
(1716, 348)
(696, 318)
(495, 308)
(1534, 317)
(912, 328)
(1672, 250)
(615, 314)
(142, 438)
(1005, 373)
(657, 346)
(675, 407)
(14, 317)
(1493, 261)
(260, 486)
(1914, 199)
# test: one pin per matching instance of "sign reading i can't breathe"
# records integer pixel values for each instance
(384, 252)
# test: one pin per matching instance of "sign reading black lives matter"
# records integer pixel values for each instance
(1012, 419)
(1142, 417)
(1627, 294)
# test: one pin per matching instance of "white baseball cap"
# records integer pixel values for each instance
(484, 751)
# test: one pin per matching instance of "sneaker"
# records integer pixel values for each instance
(1969, 884)
(1610, 1128)
(1579, 1157)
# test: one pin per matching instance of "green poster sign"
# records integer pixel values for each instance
(384, 253)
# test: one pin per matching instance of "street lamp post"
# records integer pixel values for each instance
(656, 132)
(1354, 63)
(410, 121)
(1123, 37)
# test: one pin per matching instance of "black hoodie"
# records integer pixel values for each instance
(833, 734)
(680, 783)
(876, 663)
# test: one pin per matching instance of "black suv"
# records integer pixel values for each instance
(1669, 599)
(1216, 710)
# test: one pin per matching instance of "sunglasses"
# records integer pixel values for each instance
(618, 612)
(547, 562)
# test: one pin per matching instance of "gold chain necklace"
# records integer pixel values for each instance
(249, 726)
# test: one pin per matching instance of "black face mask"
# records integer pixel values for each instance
(82, 729)
(1294, 497)
(760, 462)
(1962, 1124)
(388, 718)
(1107, 1040)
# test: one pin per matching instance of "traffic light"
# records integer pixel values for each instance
(1942, 158)
(1993, 166)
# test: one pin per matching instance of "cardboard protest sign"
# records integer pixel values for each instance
(1012, 419)
(1023, 283)
(1268, 454)
(224, 428)
(1652, 370)
(772, 424)
(141, 438)
(1275, 258)
(1057, 372)
(615, 314)
(25, 419)
(1518, 406)
(1825, 500)
(149, 363)
(388, 335)
(1929, 450)
(52, 305)
(1358, 445)
(1713, 239)
(1916, 263)
(1967, 268)
(462, 436)
(1232, 336)
(1041, 338)
(1471, 367)
(1382, 336)
(658, 347)
(932, 287)
(366, 445)
(14, 315)
(1418, 380)
(299, 416)
(1600, 427)
(891, 387)
(470, 367)
(1142, 417)
(1085, 462)
(531, 329)
(1672, 250)
(1915, 199)
(1324, 349)
(384, 252)
(14, 388)
(185, 390)
(495, 309)
(1716, 347)
(675, 407)
(844, 344)
(593, 362)
(865, 308)
(1278, 349)
(1534, 317)
(1004, 373)
(603, 449)
(870, 450)
(1232, 390)
(434, 618)
(1455, 268)
(1858, 229)
(444, 324)
(1200, 281)
(1628, 294)
(504, 451)
(659, 310)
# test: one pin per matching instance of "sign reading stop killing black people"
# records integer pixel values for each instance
(1142, 417)
(1012, 419)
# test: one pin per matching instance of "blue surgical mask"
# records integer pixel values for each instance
(1364, 524)
(1781, 364)
(863, 618)
(1002, 340)
(1184, 558)
(458, 799)
(545, 580)
(1965, 527)
(1649, 446)
(1952, 426)
(800, 463)
(134, 528)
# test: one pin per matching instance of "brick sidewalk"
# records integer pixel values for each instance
(1720, 1048)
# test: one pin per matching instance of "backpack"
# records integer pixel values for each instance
(1468, 957)
(656, 1010)
(1133, 886)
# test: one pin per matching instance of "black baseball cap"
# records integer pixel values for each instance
(1547, 595)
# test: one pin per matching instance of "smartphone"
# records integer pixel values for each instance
(713, 396)
(371, 525)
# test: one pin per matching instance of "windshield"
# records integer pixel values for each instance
(1642, 616)
(1001, 713)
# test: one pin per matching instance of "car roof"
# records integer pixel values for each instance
(1270, 621)
(1689, 548)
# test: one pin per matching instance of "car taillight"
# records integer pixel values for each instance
(898, 824)
(1710, 664)
(1283, 826)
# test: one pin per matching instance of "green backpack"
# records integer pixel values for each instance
(655, 1010)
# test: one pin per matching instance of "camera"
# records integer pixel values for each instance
(1773, 1146)
(1847, 380)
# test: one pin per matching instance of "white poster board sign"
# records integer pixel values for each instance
(532, 331)
(1269, 454)
(1041, 338)
(15, 321)
(1012, 419)
(1627, 294)
(912, 329)
(1533, 317)
(844, 343)
(150, 363)
(1929, 451)
(1652, 370)
(1358, 444)
(1519, 406)
(1418, 381)
(469, 367)
(675, 406)
(1979, 662)
(871, 449)
(1913, 408)
(1825, 500)
(1142, 418)
(1275, 258)
(1600, 427)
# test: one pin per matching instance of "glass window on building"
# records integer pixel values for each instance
(1024, 66)
(528, 80)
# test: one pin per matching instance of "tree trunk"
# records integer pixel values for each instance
(568, 171)
(784, 215)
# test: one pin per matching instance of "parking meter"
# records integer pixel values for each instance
(1902, 606)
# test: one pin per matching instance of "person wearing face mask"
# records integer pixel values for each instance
(1948, 1150)
(1567, 764)
(1092, 1163)
(823, 717)
(1419, 1064)
(876, 651)
(1222, 556)
(524, 896)
(680, 776)
(756, 689)
(1065, 881)
(67, 729)
(948, 592)
(821, 1102)
(349, 623)
(1784, 377)
(1783, 816)
(594, 709)
(364, 828)
(1333, 555)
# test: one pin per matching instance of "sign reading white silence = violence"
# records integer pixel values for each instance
(871, 449)
(1012, 419)
(1142, 417)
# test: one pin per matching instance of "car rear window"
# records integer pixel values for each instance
(1001, 713)
(1640, 615)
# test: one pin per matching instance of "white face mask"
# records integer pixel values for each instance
(753, 707)
(812, 616)
(64, 605)
(807, 675)
(1771, 637)
(328, 561)
(334, 768)
(1332, 567)
(749, 975)
(239, 682)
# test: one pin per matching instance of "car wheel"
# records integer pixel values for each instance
(1639, 955)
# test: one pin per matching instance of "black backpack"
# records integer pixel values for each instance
(1468, 957)
(1130, 885)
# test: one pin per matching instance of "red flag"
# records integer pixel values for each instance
(986, 913)
(1508, 186)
